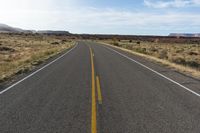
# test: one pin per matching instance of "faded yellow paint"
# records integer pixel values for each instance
(94, 112)
(99, 90)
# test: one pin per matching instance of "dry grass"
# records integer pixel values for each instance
(182, 57)
(20, 53)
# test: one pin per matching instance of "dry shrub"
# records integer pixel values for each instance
(141, 50)
(153, 49)
(55, 43)
(115, 43)
(178, 60)
(129, 47)
(163, 54)
(179, 50)
(192, 53)
(193, 64)
(138, 42)
(6, 49)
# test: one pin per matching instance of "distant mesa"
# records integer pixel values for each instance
(185, 35)
(52, 32)
(8, 29)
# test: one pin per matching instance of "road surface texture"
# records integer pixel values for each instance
(94, 88)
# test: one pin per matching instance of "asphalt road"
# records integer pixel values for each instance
(96, 89)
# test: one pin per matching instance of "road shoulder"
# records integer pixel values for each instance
(23, 75)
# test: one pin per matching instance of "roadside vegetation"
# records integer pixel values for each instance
(20, 53)
(183, 57)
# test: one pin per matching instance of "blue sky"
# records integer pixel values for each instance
(146, 17)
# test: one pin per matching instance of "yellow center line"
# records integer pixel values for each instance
(94, 116)
(99, 90)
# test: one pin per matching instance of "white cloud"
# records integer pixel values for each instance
(171, 3)
(100, 20)
(37, 5)
(93, 20)
(196, 2)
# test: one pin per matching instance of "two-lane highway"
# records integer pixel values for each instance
(93, 89)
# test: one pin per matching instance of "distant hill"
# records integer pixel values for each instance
(8, 29)
(185, 34)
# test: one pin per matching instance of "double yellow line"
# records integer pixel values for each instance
(94, 106)
(99, 90)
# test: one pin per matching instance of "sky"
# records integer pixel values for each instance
(138, 17)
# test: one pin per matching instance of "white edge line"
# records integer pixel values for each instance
(8, 88)
(193, 92)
